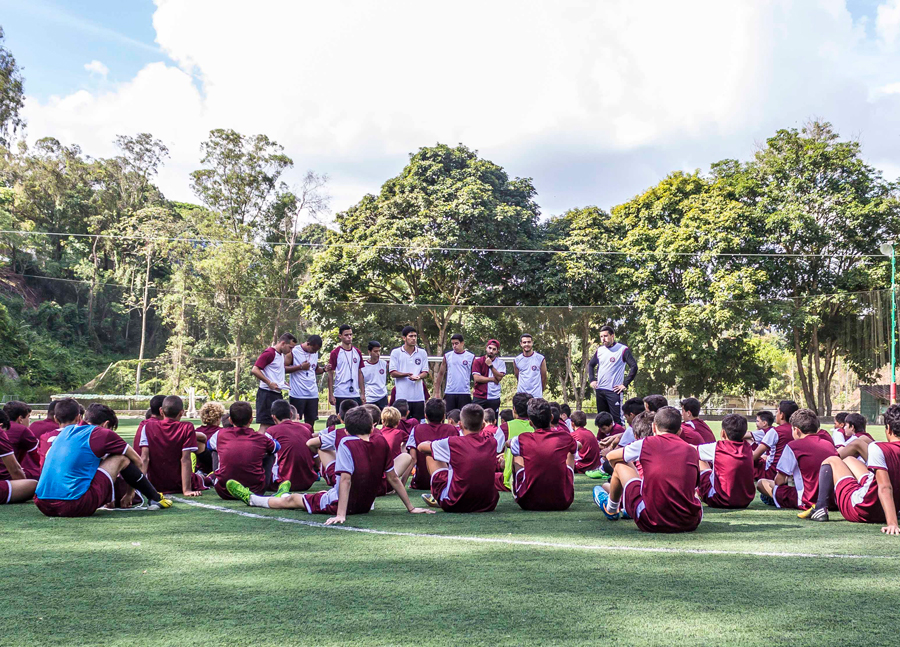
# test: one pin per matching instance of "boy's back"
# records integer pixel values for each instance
(776, 439)
(365, 463)
(25, 446)
(802, 459)
(701, 428)
(467, 485)
(588, 457)
(546, 482)
(730, 483)
(427, 431)
(396, 438)
(296, 462)
(670, 471)
(167, 439)
(241, 454)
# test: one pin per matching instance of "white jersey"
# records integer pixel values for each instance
(271, 364)
(611, 366)
(416, 363)
(304, 385)
(346, 365)
(530, 374)
(375, 376)
(493, 391)
(459, 372)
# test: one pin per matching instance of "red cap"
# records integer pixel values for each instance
(494, 342)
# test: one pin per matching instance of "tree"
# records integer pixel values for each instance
(12, 95)
(398, 247)
(815, 196)
(241, 179)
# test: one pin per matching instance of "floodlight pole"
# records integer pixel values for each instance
(893, 325)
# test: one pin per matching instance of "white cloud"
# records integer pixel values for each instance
(98, 68)
(595, 101)
(887, 23)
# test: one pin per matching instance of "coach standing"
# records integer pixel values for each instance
(269, 370)
(609, 380)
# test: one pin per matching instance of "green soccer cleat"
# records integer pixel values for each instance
(597, 474)
(284, 488)
(238, 491)
(193, 462)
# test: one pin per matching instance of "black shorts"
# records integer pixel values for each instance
(488, 404)
(337, 402)
(456, 400)
(308, 408)
(264, 400)
(381, 403)
(417, 410)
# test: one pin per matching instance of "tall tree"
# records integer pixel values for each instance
(12, 94)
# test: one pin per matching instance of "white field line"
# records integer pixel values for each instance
(522, 542)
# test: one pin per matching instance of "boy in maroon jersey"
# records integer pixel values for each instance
(406, 423)
(801, 458)
(24, 442)
(726, 467)
(325, 443)
(462, 467)
(543, 462)
(588, 456)
(858, 438)
(864, 492)
(433, 429)
(296, 462)
(45, 430)
(153, 413)
(166, 447)
(242, 452)
(690, 415)
(773, 444)
(606, 426)
(659, 492)
(15, 487)
(362, 462)
(210, 422)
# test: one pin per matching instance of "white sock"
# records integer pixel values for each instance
(612, 506)
(259, 501)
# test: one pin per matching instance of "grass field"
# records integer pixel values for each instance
(204, 576)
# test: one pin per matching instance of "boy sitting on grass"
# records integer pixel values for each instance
(773, 444)
(326, 442)
(295, 460)
(462, 467)
(15, 486)
(588, 456)
(659, 492)
(242, 453)
(857, 438)
(362, 462)
(517, 425)
(864, 492)
(726, 467)
(166, 447)
(801, 459)
(606, 426)
(690, 415)
(434, 429)
(543, 462)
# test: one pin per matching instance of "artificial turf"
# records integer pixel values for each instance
(197, 576)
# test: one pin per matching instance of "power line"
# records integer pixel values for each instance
(367, 304)
(478, 250)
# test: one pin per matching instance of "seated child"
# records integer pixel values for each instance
(543, 462)
(516, 426)
(295, 462)
(407, 424)
(588, 455)
(396, 439)
(565, 416)
(15, 486)
(434, 429)
(764, 421)
(89, 466)
(462, 467)
(837, 434)
(45, 431)
(630, 409)
(606, 426)
(857, 438)
(25, 444)
(726, 467)
(453, 418)
(210, 419)
(801, 459)
(659, 492)
(773, 444)
(690, 415)
(242, 453)
(153, 413)
(326, 442)
(864, 492)
(362, 462)
(166, 447)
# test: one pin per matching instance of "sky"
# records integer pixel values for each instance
(595, 101)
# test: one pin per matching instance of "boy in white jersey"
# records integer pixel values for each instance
(488, 371)
(374, 372)
(303, 367)
(269, 370)
(457, 367)
(345, 379)
(530, 369)
(409, 367)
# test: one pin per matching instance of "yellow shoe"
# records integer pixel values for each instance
(161, 504)
(430, 500)
(806, 514)
(193, 462)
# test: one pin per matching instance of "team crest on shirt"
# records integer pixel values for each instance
(418, 361)
(612, 360)
(355, 359)
(381, 371)
(533, 368)
(465, 362)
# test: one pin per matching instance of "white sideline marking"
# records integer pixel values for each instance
(524, 542)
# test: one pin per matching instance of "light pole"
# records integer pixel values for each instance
(888, 250)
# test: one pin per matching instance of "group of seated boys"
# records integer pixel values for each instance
(660, 467)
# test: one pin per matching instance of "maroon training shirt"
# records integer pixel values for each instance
(167, 440)
(241, 454)
(296, 463)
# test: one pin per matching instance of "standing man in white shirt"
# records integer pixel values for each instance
(303, 367)
(269, 370)
(488, 370)
(530, 369)
(345, 378)
(374, 370)
(457, 367)
(409, 366)
(610, 381)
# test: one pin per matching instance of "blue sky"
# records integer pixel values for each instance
(596, 103)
